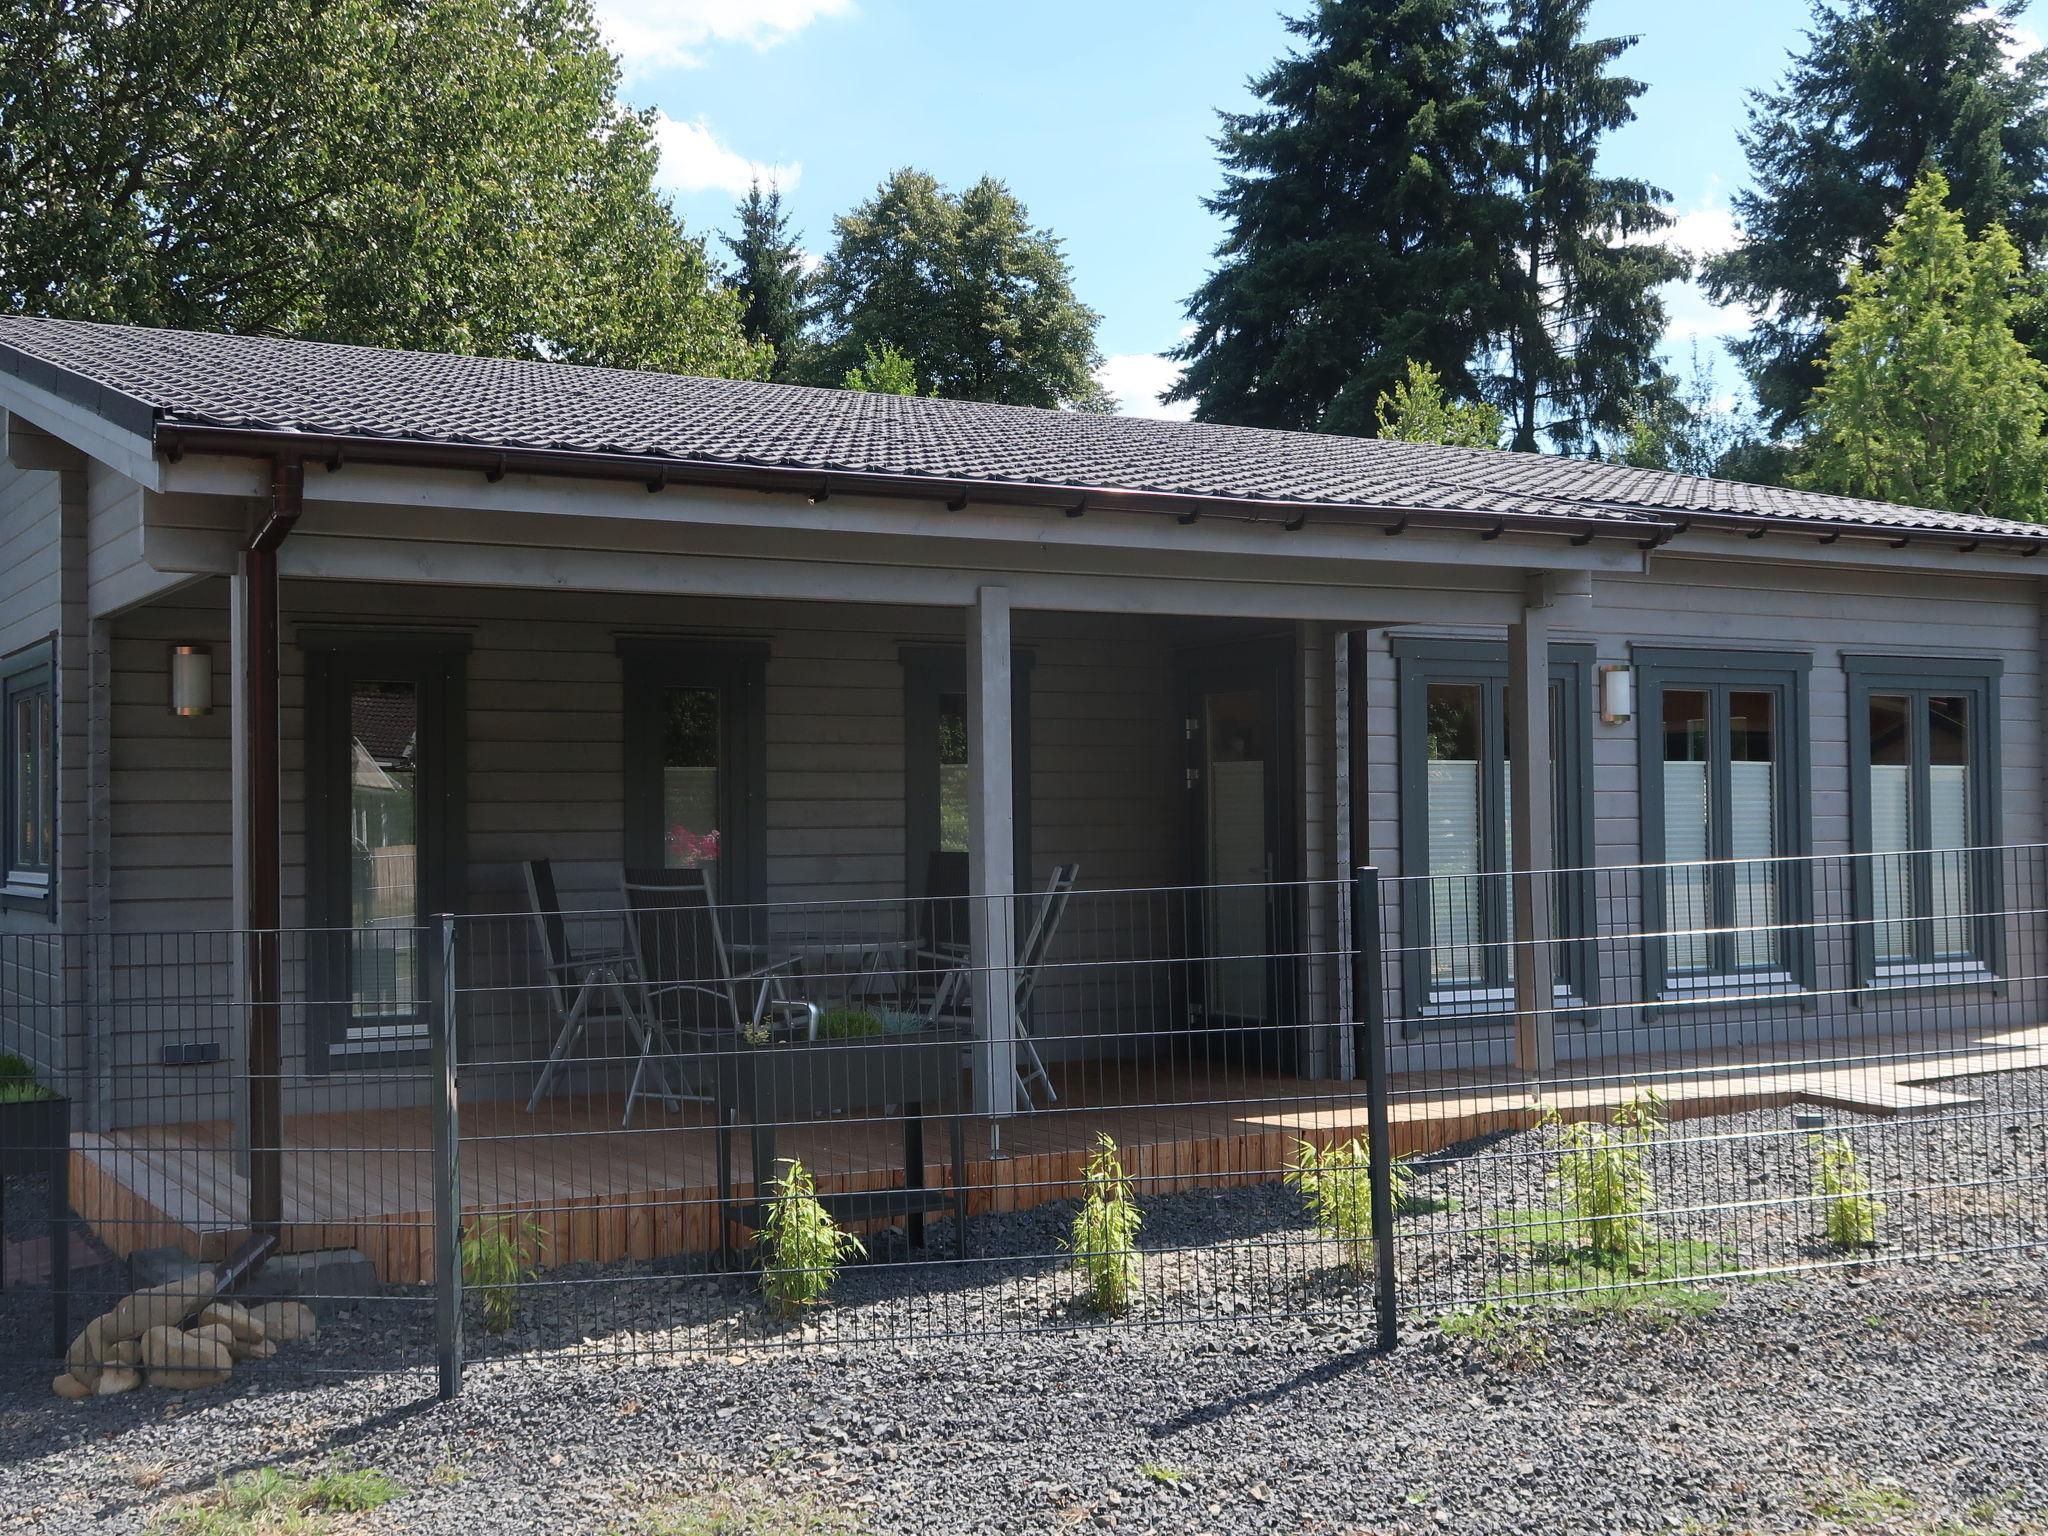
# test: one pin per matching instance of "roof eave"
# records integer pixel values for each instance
(174, 439)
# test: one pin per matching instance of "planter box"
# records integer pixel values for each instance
(31, 1133)
(810, 1079)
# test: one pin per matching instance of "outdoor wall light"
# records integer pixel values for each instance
(191, 680)
(1617, 694)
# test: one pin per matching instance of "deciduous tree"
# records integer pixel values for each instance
(980, 301)
(451, 175)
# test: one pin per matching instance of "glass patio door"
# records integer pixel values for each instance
(380, 810)
(1241, 917)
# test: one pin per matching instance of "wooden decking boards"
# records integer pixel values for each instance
(362, 1178)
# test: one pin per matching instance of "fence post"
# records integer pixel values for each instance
(1369, 1007)
(447, 1174)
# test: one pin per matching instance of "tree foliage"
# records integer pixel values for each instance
(769, 277)
(1927, 396)
(980, 301)
(1422, 184)
(883, 371)
(1416, 410)
(1581, 316)
(1357, 210)
(1884, 89)
(452, 175)
(1687, 428)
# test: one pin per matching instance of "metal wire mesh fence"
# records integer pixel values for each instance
(617, 1133)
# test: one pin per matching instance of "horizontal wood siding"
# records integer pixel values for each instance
(545, 779)
(1756, 605)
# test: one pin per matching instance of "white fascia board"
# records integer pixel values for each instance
(439, 490)
(311, 555)
(124, 452)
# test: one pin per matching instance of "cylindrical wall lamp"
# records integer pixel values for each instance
(191, 680)
(1617, 694)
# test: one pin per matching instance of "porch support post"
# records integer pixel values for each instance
(258, 793)
(1531, 855)
(991, 858)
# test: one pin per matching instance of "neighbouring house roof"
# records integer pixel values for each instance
(180, 387)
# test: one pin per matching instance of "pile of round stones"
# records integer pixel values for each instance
(147, 1337)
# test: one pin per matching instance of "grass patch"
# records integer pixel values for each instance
(741, 1513)
(1495, 1332)
(1858, 1503)
(268, 1502)
(1166, 1477)
(1564, 1266)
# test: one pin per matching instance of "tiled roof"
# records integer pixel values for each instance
(152, 379)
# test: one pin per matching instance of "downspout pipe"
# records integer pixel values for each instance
(263, 1058)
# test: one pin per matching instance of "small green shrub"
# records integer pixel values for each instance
(801, 1245)
(1850, 1215)
(499, 1255)
(849, 1024)
(1603, 1173)
(18, 1083)
(1104, 1237)
(1336, 1184)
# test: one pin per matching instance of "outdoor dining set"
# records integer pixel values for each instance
(780, 1029)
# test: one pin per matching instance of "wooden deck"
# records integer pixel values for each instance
(361, 1179)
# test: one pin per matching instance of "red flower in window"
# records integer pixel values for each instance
(688, 849)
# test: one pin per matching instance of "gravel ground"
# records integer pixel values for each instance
(1909, 1401)
(1897, 1398)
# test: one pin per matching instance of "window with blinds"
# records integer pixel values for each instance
(1921, 734)
(1456, 812)
(1723, 801)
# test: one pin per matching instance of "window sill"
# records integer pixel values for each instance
(1741, 986)
(20, 893)
(1475, 1003)
(1943, 973)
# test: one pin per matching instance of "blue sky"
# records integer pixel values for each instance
(1099, 114)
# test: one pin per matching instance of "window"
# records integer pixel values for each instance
(27, 689)
(1923, 738)
(695, 779)
(1724, 792)
(936, 761)
(1455, 807)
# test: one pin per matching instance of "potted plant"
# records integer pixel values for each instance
(35, 1121)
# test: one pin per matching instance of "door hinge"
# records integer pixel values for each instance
(1190, 727)
(1194, 777)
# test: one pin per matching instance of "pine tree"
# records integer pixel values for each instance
(1883, 89)
(1583, 317)
(1927, 396)
(769, 277)
(1357, 206)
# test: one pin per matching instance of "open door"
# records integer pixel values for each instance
(1238, 723)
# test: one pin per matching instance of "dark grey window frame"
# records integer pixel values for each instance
(1788, 674)
(1421, 660)
(930, 671)
(32, 669)
(438, 661)
(737, 669)
(1919, 677)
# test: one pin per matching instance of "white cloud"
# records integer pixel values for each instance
(2018, 41)
(675, 34)
(694, 159)
(1137, 379)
